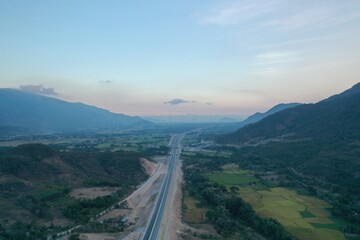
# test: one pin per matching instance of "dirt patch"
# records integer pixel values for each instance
(97, 236)
(133, 236)
(150, 167)
(91, 193)
(115, 213)
(271, 178)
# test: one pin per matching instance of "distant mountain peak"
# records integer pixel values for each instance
(259, 116)
(347, 93)
(282, 106)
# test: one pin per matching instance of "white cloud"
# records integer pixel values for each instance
(38, 89)
(109, 81)
(275, 58)
(273, 63)
(284, 15)
(239, 12)
(298, 41)
(315, 16)
(178, 101)
(274, 55)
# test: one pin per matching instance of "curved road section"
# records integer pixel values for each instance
(154, 225)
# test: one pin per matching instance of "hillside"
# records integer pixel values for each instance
(23, 112)
(259, 116)
(317, 141)
(334, 118)
(35, 181)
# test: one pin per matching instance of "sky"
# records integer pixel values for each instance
(224, 57)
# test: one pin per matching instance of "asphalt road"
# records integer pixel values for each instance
(154, 225)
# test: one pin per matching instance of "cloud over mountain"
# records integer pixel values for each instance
(178, 101)
(109, 81)
(38, 89)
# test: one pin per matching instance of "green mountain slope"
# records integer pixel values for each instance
(316, 141)
(336, 118)
(259, 116)
(321, 140)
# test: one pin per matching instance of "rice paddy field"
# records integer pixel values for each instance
(304, 217)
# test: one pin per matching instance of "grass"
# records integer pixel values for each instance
(187, 154)
(304, 217)
(210, 153)
(49, 192)
(63, 202)
(192, 213)
(233, 176)
(307, 214)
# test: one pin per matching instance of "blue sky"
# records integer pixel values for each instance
(219, 57)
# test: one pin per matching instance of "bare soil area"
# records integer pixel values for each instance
(94, 192)
(114, 213)
(150, 167)
(133, 236)
(97, 236)
(141, 205)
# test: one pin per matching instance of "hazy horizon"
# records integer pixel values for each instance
(159, 58)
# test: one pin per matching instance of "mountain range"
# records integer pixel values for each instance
(259, 116)
(27, 113)
(336, 117)
(194, 118)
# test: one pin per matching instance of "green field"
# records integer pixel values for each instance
(187, 154)
(305, 217)
(192, 213)
(233, 176)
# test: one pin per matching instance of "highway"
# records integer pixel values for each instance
(153, 228)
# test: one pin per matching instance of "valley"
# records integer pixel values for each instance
(291, 172)
(180, 120)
